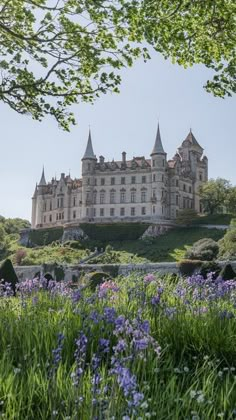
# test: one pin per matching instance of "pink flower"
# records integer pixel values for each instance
(149, 278)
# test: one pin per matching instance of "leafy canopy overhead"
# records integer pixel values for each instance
(55, 53)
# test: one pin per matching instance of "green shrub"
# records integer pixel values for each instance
(189, 267)
(115, 231)
(186, 217)
(228, 244)
(8, 274)
(74, 244)
(205, 249)
(94, 279)
(210, 267)
(227, 272)
(45, 236)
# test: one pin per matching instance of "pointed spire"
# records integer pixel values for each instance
(42, 180)
(89, 153)
(158, 148)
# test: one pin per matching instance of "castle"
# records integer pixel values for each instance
(139, 189)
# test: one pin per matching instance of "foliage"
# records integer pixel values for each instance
(8, 274)
(94, 279)
(136, 346)
(228, 244)
(115, 231)
(59, 53)
(227, 272)
(213, 194)
(206, 249)
(189, 267)
(214, 219)
(230, 201)
(186, 217)
(45, 236)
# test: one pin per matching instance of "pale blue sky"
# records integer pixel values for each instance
(124, 122)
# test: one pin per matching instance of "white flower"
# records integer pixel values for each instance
(200, 398)
(186, 369)
(17, 370)
(193, 393)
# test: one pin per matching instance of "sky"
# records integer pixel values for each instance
(150, 92)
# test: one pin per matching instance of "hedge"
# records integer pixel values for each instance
(114, 232)
(43, 237)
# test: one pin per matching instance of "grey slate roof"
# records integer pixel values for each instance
(190, 138)
(89, 153)
(42, 180)
(158, 148)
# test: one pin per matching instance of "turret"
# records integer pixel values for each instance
(88, 168)
(158, 159)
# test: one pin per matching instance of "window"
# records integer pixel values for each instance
(122, 180)
(200, 176)
(102, 181)
(112, 181)
(112, 197)
(94, 198)
(112, 212)
(88, 197)
(89, 166)
(154, 163)
(133, 196)
(44, 219)
(122, 211)
(154, 209)
(62, 216)
(122, 197)
(143, 179)
(184, 187)
(74, 214)
(50, 206)
(177, 200)
(132, 211)
(163, 162)
(143, 211)
(143, 196)
(87, 212)
(162, 178)
(58, 202)
(162, 193)
(94, 212)
(154, 178)
(95, 181)
(133, 179)
(57, 216)
(88, 181)
(190, 189)
(102, 197)
(177, 182)
(74, 201)
(50, 218)
(45, 206)
(101, 212)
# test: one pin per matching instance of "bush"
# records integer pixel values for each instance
(228, 244)
(227, 272)
(210, 267)
(8, 274)
(186, 217)
(189, 267)
(94, 279)
(205, 249)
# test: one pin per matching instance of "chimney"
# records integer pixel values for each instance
(124, 158)
(101, 159)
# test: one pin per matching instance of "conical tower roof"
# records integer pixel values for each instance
(42, 180)
(158, 147)
(89, 153)
(191, 139)
(35, 191)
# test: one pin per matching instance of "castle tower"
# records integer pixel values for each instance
(40, 200)
(158, 169)
(88, 167)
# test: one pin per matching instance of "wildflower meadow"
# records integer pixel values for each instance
(137, 347)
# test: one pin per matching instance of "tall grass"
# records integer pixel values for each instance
(137, 348)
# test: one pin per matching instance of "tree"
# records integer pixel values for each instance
(213, 194)
(230, 201)
(56, 53)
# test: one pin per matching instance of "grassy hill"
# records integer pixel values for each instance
(169, 247)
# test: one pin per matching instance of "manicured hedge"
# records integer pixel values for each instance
(115, 231)
(45, 236)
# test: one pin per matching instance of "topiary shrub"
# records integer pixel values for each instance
(189, 267)
(205, 249)
(8, 274)
(227, 272)
(95, 278)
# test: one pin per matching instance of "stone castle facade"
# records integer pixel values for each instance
(139, 189)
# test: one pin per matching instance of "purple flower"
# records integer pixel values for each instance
(57, 354)
(76, 296)
(121, 346)
(109, 315)
(80, 356)
(141, 344)
(104, 345)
